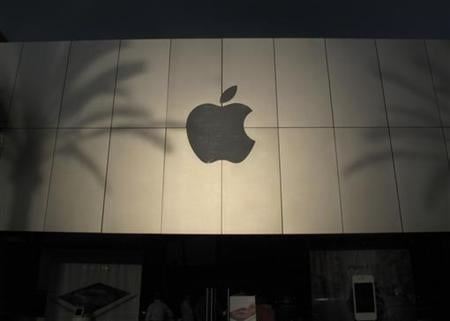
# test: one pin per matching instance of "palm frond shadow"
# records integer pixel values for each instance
(437, 187)
(25, 154)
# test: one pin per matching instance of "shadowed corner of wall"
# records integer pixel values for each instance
(27, 154)
(437, 186)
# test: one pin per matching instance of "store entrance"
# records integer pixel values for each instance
(229, 279)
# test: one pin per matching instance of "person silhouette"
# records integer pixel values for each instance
(187, 313)
(158, 310)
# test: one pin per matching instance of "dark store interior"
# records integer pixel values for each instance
(269, 267)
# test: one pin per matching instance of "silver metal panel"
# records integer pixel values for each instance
(309, 179)
(135, 174)
(90, 81)
(302, 83)
(423, 178)
(78, 180)
(355, 83)
(9, 61)
(368, 190)
(249, 65)
(194, 77)
(251, 189)
(156, 184)
(439, 54)
(25, 165)
(141, 96)
(192, 197)
(410, 99)
(39, 86)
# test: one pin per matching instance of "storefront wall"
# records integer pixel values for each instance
(351, 136)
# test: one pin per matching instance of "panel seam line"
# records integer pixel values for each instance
(165, 137)
(334, 136)
(116, 81)
(69, 51)
(274, 52)
(391, 145)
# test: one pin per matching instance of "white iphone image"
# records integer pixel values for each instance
(364, 299)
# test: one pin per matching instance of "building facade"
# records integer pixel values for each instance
(350, 136)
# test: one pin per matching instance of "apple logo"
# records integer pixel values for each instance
(217, 132)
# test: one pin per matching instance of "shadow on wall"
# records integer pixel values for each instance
(421, 154)
(27, 150)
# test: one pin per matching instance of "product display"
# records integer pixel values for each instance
(378, 282)
(93, 298)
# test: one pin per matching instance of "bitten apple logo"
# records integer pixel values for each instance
(217, 133)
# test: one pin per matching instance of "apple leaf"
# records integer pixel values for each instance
(228, 94)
